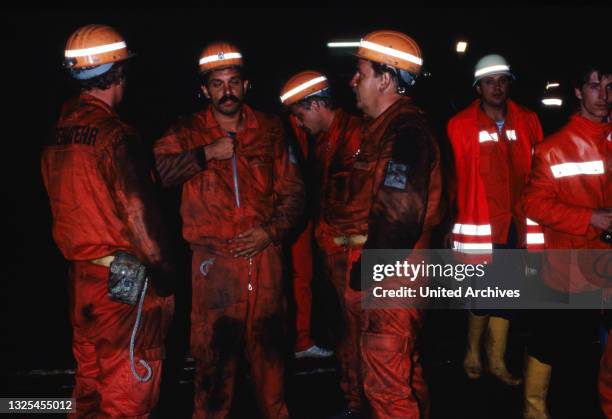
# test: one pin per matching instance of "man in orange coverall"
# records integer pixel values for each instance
(302, 259)
(242, 193)
(337, 138)
(394, 200)
(493, 140)
(102, 203)
(570, 195)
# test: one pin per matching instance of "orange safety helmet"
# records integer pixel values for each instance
(219, 55)
(393, 48)
(94, 45)
(302, 85)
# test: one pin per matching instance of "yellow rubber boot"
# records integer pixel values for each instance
(495, 348)
(471, 363)
(537, 380)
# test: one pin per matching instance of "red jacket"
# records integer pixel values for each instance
(571, 176)
(271, 189)
(491, 170)
(100, 201)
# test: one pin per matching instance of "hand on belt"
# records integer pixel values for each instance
(353, 241)
(104, 261)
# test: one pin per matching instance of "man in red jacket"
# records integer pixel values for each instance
(569, 193)
(492, 140)
(337, 137)
(394, 202)
(242, 193)
(105, 215)
(605, 372)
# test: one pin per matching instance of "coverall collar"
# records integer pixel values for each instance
(248, 116)
(592, 129)
(86, 98)
(374, 124)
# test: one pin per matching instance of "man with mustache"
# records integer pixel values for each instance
(492, 141)
(337, 137)
(242, 193)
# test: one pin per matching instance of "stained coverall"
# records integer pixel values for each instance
(335, 153)
(102, 202)
(394, 195)
(237, 304)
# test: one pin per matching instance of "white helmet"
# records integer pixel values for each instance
(489, 65)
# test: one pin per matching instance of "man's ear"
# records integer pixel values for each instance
(205, 91)
(478, 89)
(246, 85)
(578, 93)
(385, 81)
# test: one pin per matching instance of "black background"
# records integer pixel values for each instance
(541, 44)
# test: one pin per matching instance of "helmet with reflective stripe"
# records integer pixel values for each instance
(392, 48)
(219, 55)
(302, 85)
(93, 46)
(490, 65)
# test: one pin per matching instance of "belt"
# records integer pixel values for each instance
(353, 241)
(104, 261)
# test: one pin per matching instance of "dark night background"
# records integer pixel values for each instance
(541, 44)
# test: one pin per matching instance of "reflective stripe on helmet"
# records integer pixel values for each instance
(302, 87)
(73, 53)
(391, 51)
(220, 57)
(492, 69)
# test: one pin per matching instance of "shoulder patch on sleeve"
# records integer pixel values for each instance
(396, 175)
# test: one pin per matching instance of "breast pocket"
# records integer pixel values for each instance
(362, 174)
(261, 168)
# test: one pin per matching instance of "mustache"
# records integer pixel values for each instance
(228, 97)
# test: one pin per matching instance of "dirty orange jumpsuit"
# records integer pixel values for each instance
(101, 203)
(237, 304)
(335, 151)
(394, 197)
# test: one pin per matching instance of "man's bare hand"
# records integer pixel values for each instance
(221, 149)
(250, 243)
(602, 219)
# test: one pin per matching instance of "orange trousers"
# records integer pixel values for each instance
(237, 308)
(102, 329)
